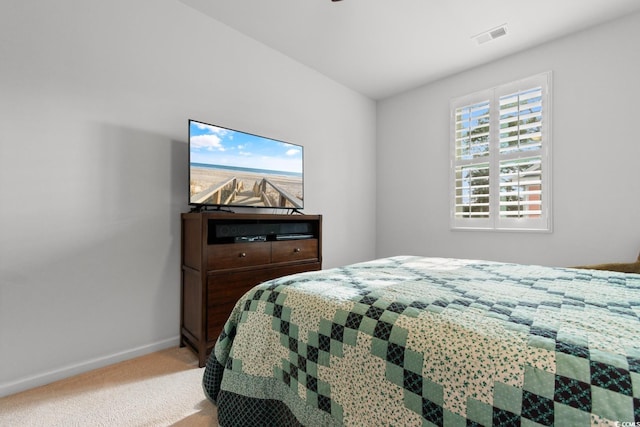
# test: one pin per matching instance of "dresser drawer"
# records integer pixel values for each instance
(225, 289)
(294, 250)
(236, 255)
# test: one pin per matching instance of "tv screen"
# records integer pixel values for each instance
(232, 168)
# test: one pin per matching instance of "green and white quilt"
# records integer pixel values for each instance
(412, 341)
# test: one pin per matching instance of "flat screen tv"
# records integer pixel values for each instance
(231, 168)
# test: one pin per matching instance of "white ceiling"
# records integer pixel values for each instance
(383, 47)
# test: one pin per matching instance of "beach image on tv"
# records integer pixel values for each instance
(233, 168)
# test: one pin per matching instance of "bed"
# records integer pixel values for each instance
(414, 341)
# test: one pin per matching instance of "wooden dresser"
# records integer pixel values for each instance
(226, 254)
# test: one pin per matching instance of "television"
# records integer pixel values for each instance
(230, 168)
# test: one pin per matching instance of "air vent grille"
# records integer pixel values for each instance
(491, 34)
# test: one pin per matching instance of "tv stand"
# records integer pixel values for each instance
(226, 254)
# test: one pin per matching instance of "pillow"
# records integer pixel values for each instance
(623, 267)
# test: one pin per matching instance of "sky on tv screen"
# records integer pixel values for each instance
(214, 145)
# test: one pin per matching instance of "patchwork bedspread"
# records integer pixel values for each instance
(411, 341)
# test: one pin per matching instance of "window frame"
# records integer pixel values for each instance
(494, 220)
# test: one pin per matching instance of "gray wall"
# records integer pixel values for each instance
(596, 179)
(94, 101)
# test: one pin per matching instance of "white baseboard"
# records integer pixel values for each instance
(78, 368)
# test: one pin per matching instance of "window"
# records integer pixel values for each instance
(500, 157)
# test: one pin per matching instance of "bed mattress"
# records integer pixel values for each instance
(416, 341)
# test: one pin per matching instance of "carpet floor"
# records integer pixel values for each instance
(158, 389)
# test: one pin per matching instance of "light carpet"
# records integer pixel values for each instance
(159, 389)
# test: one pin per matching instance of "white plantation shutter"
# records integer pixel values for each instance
(472, 191)
(472, 131)
(521, 121)
(500, 164)
(521, 188)
(472, 170)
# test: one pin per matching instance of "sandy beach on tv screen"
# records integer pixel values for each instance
(204, 178)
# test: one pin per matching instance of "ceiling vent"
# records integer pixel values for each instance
(491, 34)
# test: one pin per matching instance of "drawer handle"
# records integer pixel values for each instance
(243, 255)
(296, 250)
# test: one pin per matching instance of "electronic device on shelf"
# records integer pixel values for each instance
(258, 230)
(247, 239)
(294, 236)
